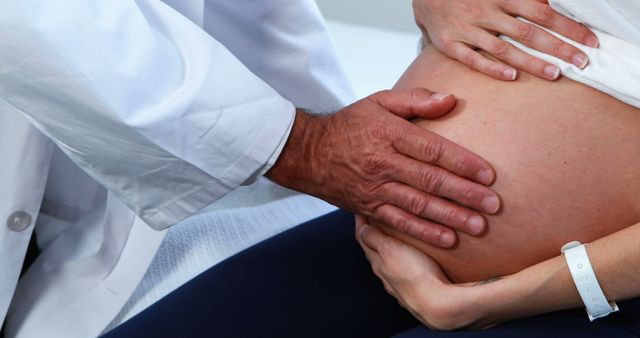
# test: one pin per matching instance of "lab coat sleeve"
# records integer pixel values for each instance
(142, 99)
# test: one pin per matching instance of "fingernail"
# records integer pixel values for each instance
(552, 72)
(490, 204)
(580, 60)
(440, 96)
(485, 177)
(476, 225)
(510, 74)
(447, 239)
(591, 41)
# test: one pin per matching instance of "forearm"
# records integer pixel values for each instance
(548, 286)
(166, 131)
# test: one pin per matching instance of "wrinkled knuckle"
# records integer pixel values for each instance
(376, 211)
(402, 224)
(420, 205)
(462, 164)
(372, 189)
(372, 165)
(544, 14)
(468, 193)
(500, 48)
(525, 32)
(432, 180)
(432, 150)
(369, 204)
(451, 216)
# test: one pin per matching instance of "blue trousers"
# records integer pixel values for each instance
(313, 281)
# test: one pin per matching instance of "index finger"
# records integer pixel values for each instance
(426, 146)
(543, 14)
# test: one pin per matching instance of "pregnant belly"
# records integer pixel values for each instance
(567, 159)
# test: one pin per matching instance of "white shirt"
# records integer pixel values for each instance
(614, 67)
(167, 105)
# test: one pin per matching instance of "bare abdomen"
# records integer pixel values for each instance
(567, 159)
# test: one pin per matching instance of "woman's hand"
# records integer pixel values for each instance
(461, 27)
(421, 286)
(418, 283)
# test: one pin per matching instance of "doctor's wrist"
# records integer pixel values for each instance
(295, 169)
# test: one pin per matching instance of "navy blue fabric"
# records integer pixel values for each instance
(565, 324)
(313, 281)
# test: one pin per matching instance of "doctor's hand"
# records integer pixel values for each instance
(368, 159)
(460, 28)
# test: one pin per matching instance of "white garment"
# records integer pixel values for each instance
(94, 253)
(200, 242)
(167, 105)
(25, 154)
(614, 67)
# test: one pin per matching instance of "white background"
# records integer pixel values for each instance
(377, 40)
(387, 14)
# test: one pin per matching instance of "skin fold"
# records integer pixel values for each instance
(565, 155)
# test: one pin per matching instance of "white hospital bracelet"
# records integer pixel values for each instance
(585, 279)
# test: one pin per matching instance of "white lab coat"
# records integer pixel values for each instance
(165, 106)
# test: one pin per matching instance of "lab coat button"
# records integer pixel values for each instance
(18, 221)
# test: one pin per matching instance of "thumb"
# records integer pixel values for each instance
(416, 102)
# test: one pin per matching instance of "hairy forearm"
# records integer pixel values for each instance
(548, 286)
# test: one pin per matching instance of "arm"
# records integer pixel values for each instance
(169, 120)
(421, 286)
(139, 96)
(460, 28)
(548, 286)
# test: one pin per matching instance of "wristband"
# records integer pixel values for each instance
(575, 253)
